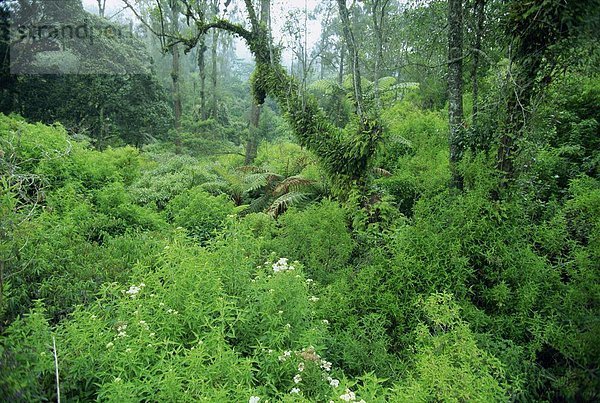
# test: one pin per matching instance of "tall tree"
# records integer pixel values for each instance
(379, 12)
(255, 109)
(201, 49)
(176, 71)
(214, 70)
(455, 86)
(353, 54)
(479, 11)
(101, 7)
(534, 29)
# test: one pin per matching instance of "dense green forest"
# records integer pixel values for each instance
(387, 201)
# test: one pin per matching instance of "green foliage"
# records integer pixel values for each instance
(117, 100)
(416, 153)
(27, 364)
(448, 364)
(401, 290)
(318, 237)
(166, 176)
(345, 154)
(199, 212)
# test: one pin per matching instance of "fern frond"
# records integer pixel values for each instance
(261, 180)
(283, 202)
(216, 187)
(251, 169)
(259, 205)
(293, 183)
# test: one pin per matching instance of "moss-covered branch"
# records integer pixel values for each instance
(345, 153)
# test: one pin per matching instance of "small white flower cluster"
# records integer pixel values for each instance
(254, 399)
(333, 382)
(172, 311)
(282, 265)
(295, 391)
(134, 290)
(326, 365)
(297, 378)
(313, 299)
(286, 354)
(144, 324)
(121, 330)
(349, 396)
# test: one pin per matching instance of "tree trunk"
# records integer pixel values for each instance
(175, 71)
(480, 19)
(101, 7)
(341, 69)
(253, 140)
(202, 73)
(353, 53)
(455, 84)
(255, 109)
(214, 76)
(379, 12)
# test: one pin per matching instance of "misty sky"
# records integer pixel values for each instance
(280, 8)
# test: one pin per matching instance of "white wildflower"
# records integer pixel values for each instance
(313, 299)
(301, 367)
(326, 365)
(286, 354)
(295, 390)
(297, 378)
(253, 399)
(349, 396)
(309, 280)
(325, 321)
(282, 265)
(333, 382)
(133, 291)
(280, 312)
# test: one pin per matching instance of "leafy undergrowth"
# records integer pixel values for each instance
(157, 289)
